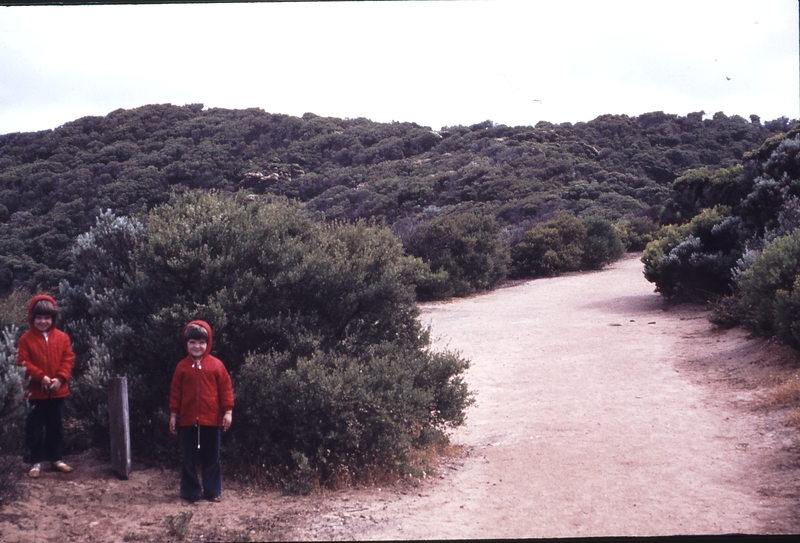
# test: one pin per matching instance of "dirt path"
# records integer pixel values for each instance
(599, 413)
(585, 424)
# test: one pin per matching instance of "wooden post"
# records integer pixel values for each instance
(119, 426)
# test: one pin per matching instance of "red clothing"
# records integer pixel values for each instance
(201, 391)
(42, 356)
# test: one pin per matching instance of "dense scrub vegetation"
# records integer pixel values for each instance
(54, 183)
(740, 245)
(12, 412)
(316, 323)
(566, 244)
(464, 251)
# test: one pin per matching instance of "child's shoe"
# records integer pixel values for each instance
(35, 471)
(61, 466)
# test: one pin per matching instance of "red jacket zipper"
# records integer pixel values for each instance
(197, 400)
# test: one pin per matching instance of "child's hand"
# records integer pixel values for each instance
(55, 384)
(46, 385)
(227, 418)
(173, 423)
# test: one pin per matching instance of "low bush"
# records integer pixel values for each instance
(317, 325)
(769, 290)
(725, 312)
(636, 233)
(330, 416)
(602, 245)
(464, 252)
(12, 393)
(564, 244)
(551, 248)
(695, 260)
(12, 415)
(14, 309)
(701, 189)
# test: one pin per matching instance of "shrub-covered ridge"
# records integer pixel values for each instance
(54, 183)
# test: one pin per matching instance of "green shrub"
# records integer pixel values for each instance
(12, 393)
(758, 201)
(466, 247)
(13, 408)
(701, 189)
(666, 239)
(14, 309)
(299, 310)
(330, 415)
(602, 245)
(768, 297)
(551, 248)
(787, 315)
(636, 233)
(694, 260)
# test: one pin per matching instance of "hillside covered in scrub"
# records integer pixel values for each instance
(307, 242)
(487, 180)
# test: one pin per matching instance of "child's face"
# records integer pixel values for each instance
(196, 347)
(43, 323)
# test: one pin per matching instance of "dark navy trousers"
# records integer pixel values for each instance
(208, 437)
(44, 434)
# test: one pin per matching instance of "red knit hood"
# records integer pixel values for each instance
(205, 325)
(33, 303)
(201, 391)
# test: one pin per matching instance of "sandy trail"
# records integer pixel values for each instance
(599, 413)
(584, 423)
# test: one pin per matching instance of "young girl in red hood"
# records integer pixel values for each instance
(200, 405)
(46, 353)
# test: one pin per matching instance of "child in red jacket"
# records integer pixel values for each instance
(200, 404)
(46, 353)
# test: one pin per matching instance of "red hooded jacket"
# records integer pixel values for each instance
(42, 356)
(201, 392)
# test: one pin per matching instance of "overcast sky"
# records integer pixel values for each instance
(436, 63)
